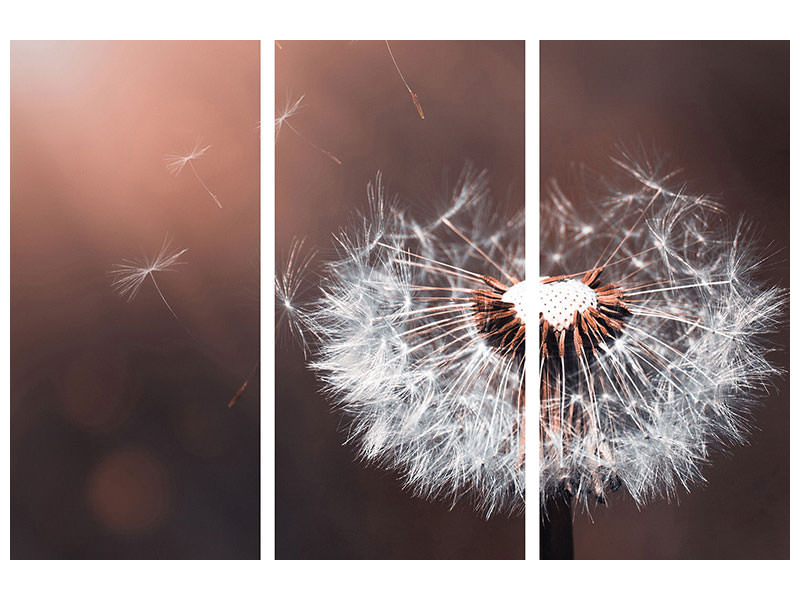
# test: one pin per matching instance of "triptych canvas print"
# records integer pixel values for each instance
(447, 293)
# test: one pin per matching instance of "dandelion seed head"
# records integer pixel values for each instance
(653, 330)
(415, 343)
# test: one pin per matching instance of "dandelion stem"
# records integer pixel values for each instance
(555, 530)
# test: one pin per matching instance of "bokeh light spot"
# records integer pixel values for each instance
(129, 492)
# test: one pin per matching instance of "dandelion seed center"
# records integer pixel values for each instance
(559, 300)
(575, 315)
(517, 295)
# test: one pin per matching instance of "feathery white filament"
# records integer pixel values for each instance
(681, 356)
(395, 342)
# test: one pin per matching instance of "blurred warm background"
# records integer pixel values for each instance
(720, 112)
(122, 445)
(329, 505)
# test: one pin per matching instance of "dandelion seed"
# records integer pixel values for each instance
(414, 97)
(176, 163)
(288, 112)
(129, 276)
(418, 336)
(243, 387)
(652, 342)
(282, 119)
(289, 291)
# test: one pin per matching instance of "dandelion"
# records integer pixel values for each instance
(414, 97)
(652, 344)
(129, 276)
(289, 110)
(418, 336)
(176, 163)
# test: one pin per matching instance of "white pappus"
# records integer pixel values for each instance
(652, 337)
(418, 336)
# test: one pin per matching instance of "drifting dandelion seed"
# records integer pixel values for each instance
(282, 119)
(418, 336)
(288, 112)
(651, 337)
(129, 276)
(289, 291)
(243, 387)
(176, 163)
(414, 97)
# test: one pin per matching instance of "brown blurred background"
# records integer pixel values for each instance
(328, 505)
(122, 445)
(720, 111)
